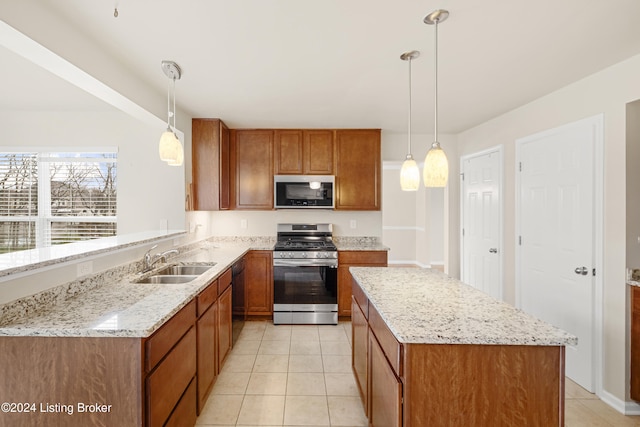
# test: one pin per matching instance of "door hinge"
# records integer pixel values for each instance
(594, 271)
(462, 175)
(463, 232)
(520, 240)
(520, 166)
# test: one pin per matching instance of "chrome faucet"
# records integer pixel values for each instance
(149, 260)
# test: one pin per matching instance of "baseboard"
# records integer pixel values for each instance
(626, 408)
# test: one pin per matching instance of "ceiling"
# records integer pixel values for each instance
(336, 63)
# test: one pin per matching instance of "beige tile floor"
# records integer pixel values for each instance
(301, 376)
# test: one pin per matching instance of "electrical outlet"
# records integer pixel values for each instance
(84, 268)
(243, 223)
(353, 223)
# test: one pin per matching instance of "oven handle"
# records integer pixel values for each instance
(304, 263)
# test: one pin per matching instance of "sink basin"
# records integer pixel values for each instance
(167, 279)
(182, 270)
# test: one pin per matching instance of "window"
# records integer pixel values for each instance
(50, 198)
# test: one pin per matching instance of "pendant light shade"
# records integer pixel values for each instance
(436, 166)
(409, 174)
(170, 148)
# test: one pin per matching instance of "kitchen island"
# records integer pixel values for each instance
(429, 350)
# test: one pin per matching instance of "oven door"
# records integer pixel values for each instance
(305, 294)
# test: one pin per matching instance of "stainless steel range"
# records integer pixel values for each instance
(305, 275)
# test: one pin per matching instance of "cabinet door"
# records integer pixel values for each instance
(635, 343)
(225, 334)
(348, 259)
(252, 155)
(288, 152)
(358, 170)
(258, 282)
(207, 338)
(318, 152)
(385, 392)
(210, 164)
(359, 341)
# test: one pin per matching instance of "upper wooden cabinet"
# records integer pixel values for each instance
(211, 165)
(358, 169)
(252, 155)
(288, 149)
(303, 152)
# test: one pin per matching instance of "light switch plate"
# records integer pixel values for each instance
(353, 223)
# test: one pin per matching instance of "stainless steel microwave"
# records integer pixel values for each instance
(303, 191)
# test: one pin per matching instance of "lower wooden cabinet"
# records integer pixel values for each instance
(225, 332)
(207, 334)
(258, 283)
(635, 343)
(348, 259)
(170, 379)
(385, 394)
(360, 352)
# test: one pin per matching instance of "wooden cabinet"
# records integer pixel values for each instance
(252, 156)
(207, 338)
(359, 353)
(304, 152)
(635, 343)
(258, 277)
(225, 333)
(348, 259)
(171, 363)
(318, 152)
(358, 169)
(288, 148)
(385, 394)
(210, 145)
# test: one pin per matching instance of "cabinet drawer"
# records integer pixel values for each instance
(185, 412)
(360, 298)
(363, 258)
(207, 297)
(159, 344)
(224, 281)
(171, 378)
(390, 346)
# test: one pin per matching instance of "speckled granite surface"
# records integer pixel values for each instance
(633, 276)
(422, 306)
(114, 305)
(347, 243)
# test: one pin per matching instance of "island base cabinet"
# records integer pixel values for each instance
(61, 376)
(385, 390)
(483, 385)
(359, 353)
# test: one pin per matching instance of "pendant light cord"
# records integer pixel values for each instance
(435, 50)
(169, 104)
(409, 107)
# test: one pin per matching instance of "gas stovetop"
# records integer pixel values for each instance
(305, 242)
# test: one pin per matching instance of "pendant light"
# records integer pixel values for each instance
(409, 174)
(170, 147)
(436, 166)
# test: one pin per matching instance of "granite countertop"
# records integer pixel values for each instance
(120, 308)
(359, 244)
(423, 306)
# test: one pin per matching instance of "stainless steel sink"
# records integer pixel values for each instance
(167, 279)
(182, 270)
(178, 273)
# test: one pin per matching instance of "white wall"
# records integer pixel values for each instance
(414, 223)
(150, 193)
(606, 92)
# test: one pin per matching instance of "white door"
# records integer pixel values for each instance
(556, 236)
(482, 222)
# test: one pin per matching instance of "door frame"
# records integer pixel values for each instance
(499, 150)
(598, 225)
